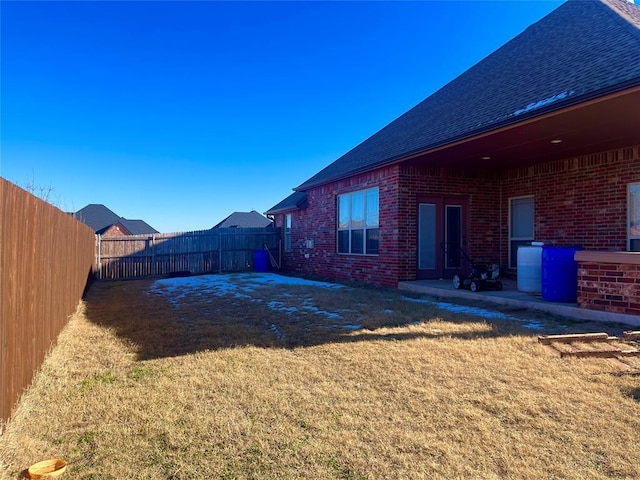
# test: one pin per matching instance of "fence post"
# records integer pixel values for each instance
(153, 255)
(220, 252)
(98, 259)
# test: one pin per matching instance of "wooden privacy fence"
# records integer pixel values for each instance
(207, 251)
(46, 261)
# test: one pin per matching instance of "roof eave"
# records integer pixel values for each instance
(509, 122)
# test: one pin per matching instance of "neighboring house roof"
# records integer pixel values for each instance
(580, 51)
(295, 201)
(250, 219)
(100, 218)
(137, 227)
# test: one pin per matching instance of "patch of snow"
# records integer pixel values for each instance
(533, 326)
(271, 278)
(351, 327)
(280, 307)
(242, 295)
(480, 312)
(387, 311)
(276, 331)
(317, 311)
(240, 286)
(544, 102)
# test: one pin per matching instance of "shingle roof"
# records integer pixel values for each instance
(250, 219)
(582, 50)
(97, 216)
(100, 218)
(295, 201)
(137, 227)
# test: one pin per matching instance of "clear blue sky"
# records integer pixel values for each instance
(180, 113)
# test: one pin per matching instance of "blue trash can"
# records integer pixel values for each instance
(260, 261)
(559, 274)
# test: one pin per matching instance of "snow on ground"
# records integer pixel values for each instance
(242, 286)
(480, 312)
(245, 286)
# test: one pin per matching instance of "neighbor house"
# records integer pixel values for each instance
(538, 141)
(250, 219)
(106, 223)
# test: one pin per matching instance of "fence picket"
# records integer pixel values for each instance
(205, 251)
(46, 260)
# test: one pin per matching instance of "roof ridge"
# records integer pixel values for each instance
(621, 9)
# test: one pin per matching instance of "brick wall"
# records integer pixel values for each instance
(609, 287)
(480, 188)
(399, 189)
(578, 201)
(115, 230)
(317, 223)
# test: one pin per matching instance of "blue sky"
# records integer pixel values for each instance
(180, 113)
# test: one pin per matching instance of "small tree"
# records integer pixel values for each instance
(43, 192)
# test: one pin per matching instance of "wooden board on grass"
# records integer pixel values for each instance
(576, 337)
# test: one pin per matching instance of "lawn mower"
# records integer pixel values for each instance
(481, 277)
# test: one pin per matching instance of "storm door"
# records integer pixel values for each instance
(441, 236)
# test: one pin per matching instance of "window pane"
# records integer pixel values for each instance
(373, 208)
(343, 241)
(287, 232)
(357, 210)
(634, 210)
(344, 211)
(427, 236)
(373, 241)
(522, 218)
(357, 241)
(453, 235)
(635, 245)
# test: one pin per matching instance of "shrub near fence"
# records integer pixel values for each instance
(207, 251)
(46, 261)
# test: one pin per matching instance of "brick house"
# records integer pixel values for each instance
(106, 223)
(538, 141)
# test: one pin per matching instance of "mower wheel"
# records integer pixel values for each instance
(474, 286)
(457, 281)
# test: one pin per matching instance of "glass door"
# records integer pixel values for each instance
(441, 235)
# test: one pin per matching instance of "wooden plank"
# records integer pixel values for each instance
(612, 353)
(630, 353)
(631, 335)
(576, 337)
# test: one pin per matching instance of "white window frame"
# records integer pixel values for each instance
(520, 239)
(635, 237)
(288, 220)
(366, 211)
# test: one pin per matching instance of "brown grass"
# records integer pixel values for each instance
(224, 387)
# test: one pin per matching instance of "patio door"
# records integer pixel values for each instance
(442, 235)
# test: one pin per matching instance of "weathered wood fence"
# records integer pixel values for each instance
(207, 251)
(46, 262)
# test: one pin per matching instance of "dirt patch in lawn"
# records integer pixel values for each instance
(253, 376)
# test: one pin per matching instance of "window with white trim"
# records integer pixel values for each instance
(287, 232)
(633, 218)
(521, 226)
(358, 222)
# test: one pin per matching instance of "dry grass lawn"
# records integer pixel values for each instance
(229, 386)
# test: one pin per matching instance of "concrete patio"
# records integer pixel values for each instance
(512, 297)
